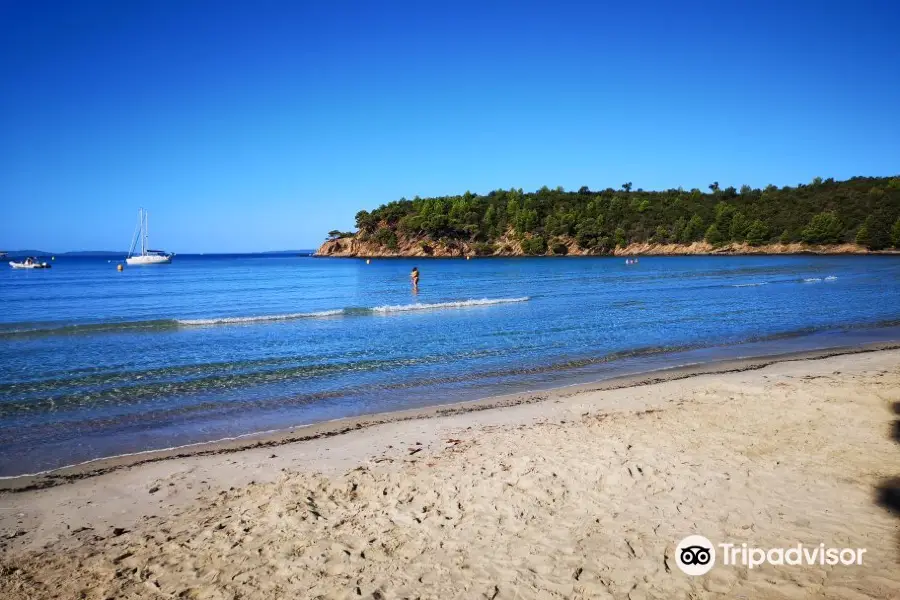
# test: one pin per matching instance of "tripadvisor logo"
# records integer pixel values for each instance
(696, 555)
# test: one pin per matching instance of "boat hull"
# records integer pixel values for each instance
(148, 260)
(16, 265)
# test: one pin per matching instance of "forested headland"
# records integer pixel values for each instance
(860, 214)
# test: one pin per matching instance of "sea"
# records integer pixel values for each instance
(97, 363)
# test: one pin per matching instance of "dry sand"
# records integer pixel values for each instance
(582, 495)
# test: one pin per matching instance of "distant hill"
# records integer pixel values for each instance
(27, 253)
(74, 253)
(861, 214)
(124, 252)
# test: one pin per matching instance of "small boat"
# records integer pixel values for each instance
(29, 263)
(147, 256)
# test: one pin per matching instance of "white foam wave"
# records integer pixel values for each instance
(260, 319)
(337, 312)
(750, 284)
(830, 278)
(439, 305)
(812, 279)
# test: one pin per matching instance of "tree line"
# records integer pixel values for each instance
(865, 210)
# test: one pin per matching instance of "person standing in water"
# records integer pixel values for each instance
(414, 276)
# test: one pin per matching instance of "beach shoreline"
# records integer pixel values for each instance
(582, 491)
(342, 426)
(213, 368)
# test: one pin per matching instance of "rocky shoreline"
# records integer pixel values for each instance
(351, 247)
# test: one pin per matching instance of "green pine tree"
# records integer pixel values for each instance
(714, 236)
(824, 228)
(757, 233)
(879, 234)
(862, 236)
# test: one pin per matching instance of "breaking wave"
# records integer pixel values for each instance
(440, 305)
(26, 330)
(259, 319)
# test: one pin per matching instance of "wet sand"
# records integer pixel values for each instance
(574, 492)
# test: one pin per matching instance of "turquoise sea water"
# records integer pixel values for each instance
(95, 363)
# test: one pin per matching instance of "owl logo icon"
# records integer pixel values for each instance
(695, 555)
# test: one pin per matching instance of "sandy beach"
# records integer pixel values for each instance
(580, 492)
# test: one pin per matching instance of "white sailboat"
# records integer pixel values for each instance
(147, 256)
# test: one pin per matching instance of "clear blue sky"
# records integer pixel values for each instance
(249, 126)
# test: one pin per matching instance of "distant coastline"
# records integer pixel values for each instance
(353, 248)
(858, 216)
(110, 253)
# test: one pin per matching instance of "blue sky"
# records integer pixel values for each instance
(259, 126)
